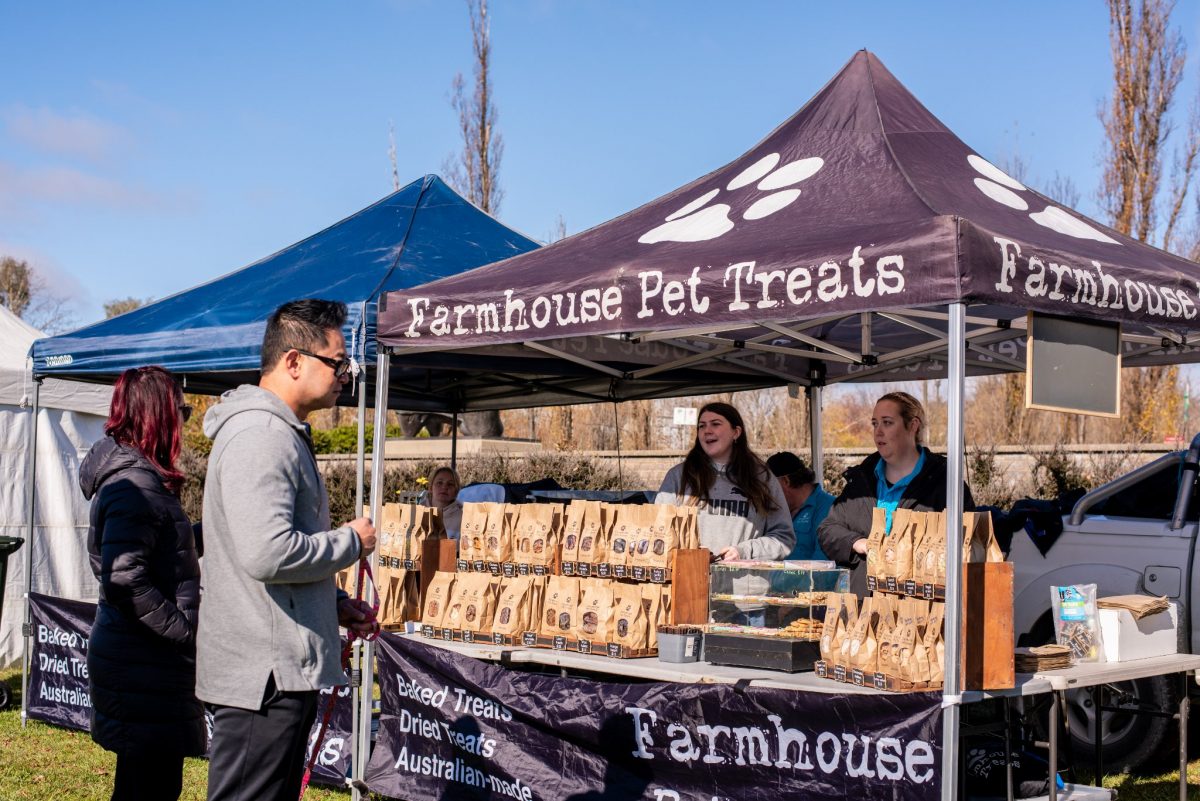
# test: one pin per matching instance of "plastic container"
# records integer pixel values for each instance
(679, 643)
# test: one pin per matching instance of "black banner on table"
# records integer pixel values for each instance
(58, 673)
(333, 759)
(58, 683)
(456, 727)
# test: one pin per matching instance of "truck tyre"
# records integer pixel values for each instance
(1130, 741)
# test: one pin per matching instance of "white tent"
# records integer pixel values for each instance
(70, 419)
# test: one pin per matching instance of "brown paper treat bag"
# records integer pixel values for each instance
(545, 540)
(498, 536)
(834, 615)
(925, 547)
(864, 647)
(640, 533)
(920, 521)
(596, 612)
(936, 551)
(875, 543)
(847, 619)
(390, 544)
(597, 528)
(664, 536)
(522, 526)
(589, 527)
(900, 665)
(393, 598)
(935, 648)
(481, 604)
(919, 664)
(631, 627)
(687, 520)
(622, 532)
(903, 561)
(979, 538)
(437, 598)
(560, 606)
(864, 619)
(456, 607)
(572, 526)
(896, 547)
(512, 612)
(652, 604)
(470, 538)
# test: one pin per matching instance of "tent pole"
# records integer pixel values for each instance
(816, 446)
(360, 475)
(30, 506)
(952, 693)
(454, 443)
(362, 746)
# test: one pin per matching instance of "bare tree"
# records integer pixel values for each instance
(16, 290)
(392, 156)
(476, 172)
(25, 293)
(122, 305)
(1148, 56)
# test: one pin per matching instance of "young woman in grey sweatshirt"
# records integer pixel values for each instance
(743, 513)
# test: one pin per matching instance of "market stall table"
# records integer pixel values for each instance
(1096, 676)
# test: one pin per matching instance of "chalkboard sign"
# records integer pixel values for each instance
(1073, 365)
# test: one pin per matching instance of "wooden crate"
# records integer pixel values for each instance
(988, 637)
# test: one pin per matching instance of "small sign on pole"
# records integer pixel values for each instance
(686, 415)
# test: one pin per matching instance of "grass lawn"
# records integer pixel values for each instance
(46, 762)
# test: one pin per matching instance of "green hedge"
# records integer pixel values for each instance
(344, 439)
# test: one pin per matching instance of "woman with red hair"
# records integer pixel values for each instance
(142, 650)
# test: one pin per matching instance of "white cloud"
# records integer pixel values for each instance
(72, 134)
(67, 186)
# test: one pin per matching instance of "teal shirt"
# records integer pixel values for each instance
(888, 496)
(805, 523)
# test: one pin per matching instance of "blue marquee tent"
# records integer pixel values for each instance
(211, 334)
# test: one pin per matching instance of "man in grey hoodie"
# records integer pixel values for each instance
(268, 633)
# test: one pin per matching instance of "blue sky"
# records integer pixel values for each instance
(148, 147)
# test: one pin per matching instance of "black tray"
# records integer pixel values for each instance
(767, 653)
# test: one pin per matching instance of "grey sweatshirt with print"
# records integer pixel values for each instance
(728, 518)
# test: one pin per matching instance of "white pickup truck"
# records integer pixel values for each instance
(1135, 534)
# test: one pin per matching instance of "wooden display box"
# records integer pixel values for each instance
(437, 554)
(988, 637)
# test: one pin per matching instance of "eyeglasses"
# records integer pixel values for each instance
(340, 367)
(185, 411)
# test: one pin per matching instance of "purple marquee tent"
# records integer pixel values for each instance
(860, 240)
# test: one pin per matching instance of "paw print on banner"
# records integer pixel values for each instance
(1003, 188)
(699, 222)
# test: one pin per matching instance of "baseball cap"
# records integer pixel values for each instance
(785, 463)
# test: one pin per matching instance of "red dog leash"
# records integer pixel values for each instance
(364, 572)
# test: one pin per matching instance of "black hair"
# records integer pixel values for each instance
(300, 324)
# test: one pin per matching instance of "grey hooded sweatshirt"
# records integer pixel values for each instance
(269, 603)
(728, 518)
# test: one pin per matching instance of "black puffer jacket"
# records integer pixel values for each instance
(850, 518)
(142, 651)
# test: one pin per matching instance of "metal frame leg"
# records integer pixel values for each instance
(1097, 693)
(1008, 774)
(1053, 755)
(1184, 706)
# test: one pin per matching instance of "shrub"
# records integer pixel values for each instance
(1055, 474)
(344, 439)
(833, 478)
(987, 479)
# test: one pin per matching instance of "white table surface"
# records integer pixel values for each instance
(700, 672)
(1089, 674)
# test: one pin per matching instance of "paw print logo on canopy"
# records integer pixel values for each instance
(1001, 187)
(699, 222)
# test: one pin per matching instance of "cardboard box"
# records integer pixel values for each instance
(1123, 638)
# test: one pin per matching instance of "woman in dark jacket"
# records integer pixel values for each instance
(902, 473)
(141, 653)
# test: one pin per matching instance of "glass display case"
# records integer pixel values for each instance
(769, 614)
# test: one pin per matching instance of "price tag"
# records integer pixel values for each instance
(910, 587)
(510, 570)
(603, 570)
(529, 639)
(468, 637)
(619, 571)
(585, 646)
(614, 650)
(585, 570)
(568, 568)
(658, 575)
(560, 643)
(494, 568)
(464, 566)
(639, 573)
(427, 631)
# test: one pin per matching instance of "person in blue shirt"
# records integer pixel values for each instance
(807, 502)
